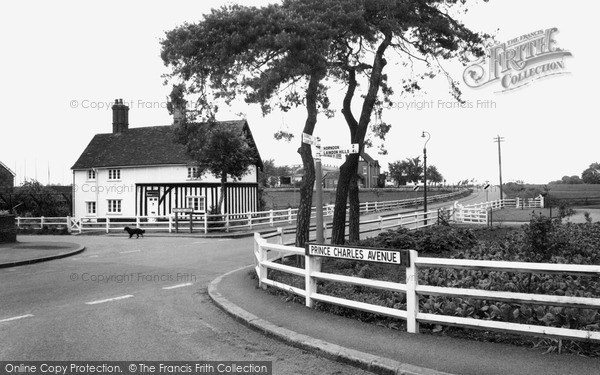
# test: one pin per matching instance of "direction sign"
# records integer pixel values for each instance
(340, 150)
(308, 138)
(399, 257)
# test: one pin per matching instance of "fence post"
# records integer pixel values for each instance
(290, 215)
(271, 218)
(227, 222)
(137, 221)
(69, 229)
(380, 223)
(170, 223)
(42, 222)
(262, 256)
(312, 264)
(19, 222)
(517, 200)
(412, 300)
(205, 222)
(250, 220)
(107, 224)
(280, 233)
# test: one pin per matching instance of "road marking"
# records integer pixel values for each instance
(177, 286)
(224, 239)
(93, 256)
(16, 318)
(203, 242)
(130, 251)
(109, 299)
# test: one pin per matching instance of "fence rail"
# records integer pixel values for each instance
(479, 213)
(210, 222)
(267, 255)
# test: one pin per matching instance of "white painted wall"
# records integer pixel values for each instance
(102, 189)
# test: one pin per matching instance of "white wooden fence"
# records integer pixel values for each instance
(267, 256)
(205, 223)
(479, 213)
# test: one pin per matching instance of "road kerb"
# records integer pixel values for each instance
(334, 352)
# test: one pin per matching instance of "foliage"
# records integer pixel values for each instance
(34, 200)
(569, 180)
(592, 174)
(4, 212)
(433, 175)
(59, 230)
(269, 176)
(409, 170)
(217, 147)
(430, 240)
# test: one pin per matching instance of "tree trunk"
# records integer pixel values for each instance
(308, 180)
(347, 171)
(354, 217)
(358, 131)
(223, 192)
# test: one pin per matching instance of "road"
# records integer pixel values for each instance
(128, 299)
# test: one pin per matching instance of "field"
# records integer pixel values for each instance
(576, 195)
(583, 195)
(280, 199)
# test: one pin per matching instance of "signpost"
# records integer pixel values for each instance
(486, 191)
(328, 151)
(182, 210)
(398, 257)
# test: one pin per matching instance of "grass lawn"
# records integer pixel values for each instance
(521, 215)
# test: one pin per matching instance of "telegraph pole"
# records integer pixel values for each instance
(500, 139)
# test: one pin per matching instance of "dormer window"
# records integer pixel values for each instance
(114, 174)
(91, 175)
(193, 173)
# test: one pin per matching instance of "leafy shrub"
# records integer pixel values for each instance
(430, 240)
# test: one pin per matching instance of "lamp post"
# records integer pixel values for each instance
(425, 174)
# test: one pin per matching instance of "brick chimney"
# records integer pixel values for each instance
(120, 116)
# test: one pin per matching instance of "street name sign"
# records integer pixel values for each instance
(398, 257)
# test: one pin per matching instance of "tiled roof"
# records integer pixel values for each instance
(2, 165)
(368, 158)
(153, 145)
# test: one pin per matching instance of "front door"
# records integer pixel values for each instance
(152, 203)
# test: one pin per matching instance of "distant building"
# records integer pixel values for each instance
(144, 172)
(7, 178)
(368, 170)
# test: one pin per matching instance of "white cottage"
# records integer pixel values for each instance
(143, 171)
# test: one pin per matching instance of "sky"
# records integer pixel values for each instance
(64, 63)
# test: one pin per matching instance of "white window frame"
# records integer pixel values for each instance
(114, 175)
(193, 173)
(91, 175)
(115, 206)
(91, 204)
(200, 199)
